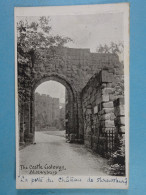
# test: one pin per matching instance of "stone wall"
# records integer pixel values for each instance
(100, 117)
(78, 65)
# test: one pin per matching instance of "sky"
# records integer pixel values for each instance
(86, 31)
(52, 88)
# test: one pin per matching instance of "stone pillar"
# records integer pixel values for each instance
(80, 127)
(106, 114)
(120, 134)
(106, 106)
(26, 124)
(88, 127)
(32, 134)
(71, 116)
(72, 120)
(120, 120)
(120, 115)
(21, 130)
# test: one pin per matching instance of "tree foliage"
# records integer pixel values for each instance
(33, 35)
(113, 48)
(118, 158)
(36, 34)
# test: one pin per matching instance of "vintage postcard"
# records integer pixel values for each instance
(72, 96)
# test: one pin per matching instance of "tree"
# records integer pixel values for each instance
(30, 37)
(113, 48)
(33, 35)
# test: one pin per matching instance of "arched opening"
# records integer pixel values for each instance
(50, 109)
(71, 115)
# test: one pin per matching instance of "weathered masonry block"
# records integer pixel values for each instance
(106, 76)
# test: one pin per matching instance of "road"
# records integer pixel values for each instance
(53, 154)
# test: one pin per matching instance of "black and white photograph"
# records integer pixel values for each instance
(72, 96)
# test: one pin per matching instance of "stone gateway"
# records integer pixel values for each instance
(95, 95)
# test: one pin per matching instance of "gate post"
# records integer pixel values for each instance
(21, 130)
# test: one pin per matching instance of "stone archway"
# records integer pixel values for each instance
(71, 67)
(72, 108)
